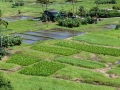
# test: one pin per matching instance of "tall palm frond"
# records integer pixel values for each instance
(3, 22)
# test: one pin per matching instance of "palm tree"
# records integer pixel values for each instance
(46, 2)
(76, 5)
(82, 11)
(73, 4)
(43, 2)
(2, 22)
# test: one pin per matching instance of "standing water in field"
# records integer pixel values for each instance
(20, 17)
(110, 26)
(118, 62)
(31, 37)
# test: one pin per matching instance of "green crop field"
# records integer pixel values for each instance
(114, 70)
(91, 48)
(81, 63)
(22, 59)
(88, 61)
(56, 50)
(43, 68)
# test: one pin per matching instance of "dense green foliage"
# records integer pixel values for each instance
(117, 7)
(103, 13)
(5, 84)
(2, 52)
(80, 62)
(54, 49)
(6, 40)
(118, 26)
(75, 22)
(10, 40)
(90, 48)
(43, 68)
(72, 77)
(105, 1)
(18, 3)
(22, 59)
(69, 22)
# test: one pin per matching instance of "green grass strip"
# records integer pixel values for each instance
(4, 65)
(90, 48)
(86, 76)
(43, 68)
(54, 49)
(22, 59)
(81, 63)
(115, 70)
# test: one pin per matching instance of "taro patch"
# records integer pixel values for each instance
(43, 68)
(54, 49)
(81, 63)
(23, 59)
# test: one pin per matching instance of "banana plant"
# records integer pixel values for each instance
(43, 2)
(2, 22)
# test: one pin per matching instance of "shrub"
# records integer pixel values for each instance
(69, 22)
(83, 21)
(2, 52)
(105, 1)
(5, 84)
(117, 26)
(102, 13)
(90, 20)
(10, 40)
(117, 7)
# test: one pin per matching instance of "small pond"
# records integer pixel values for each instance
(118, 62)
(31, 37)
(20, 17)
(109, 26)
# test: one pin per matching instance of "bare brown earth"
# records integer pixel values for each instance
(11, 70)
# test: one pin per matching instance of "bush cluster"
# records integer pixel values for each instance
(6, 40)
(75, 22)
(10, 40)
(18, 3)
(5, 84)
(103, 13)
(117, 7)
(105, 1)
(69, 22)
(2, 52)
(100, 13)
(117, 26)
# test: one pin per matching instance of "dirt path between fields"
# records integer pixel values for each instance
(104, 71)
(11, 70)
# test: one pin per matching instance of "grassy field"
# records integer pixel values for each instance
(85, 62)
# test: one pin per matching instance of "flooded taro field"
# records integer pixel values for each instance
(20, 17)
(31, 37)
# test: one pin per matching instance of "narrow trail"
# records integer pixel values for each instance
(5, 58)
(104, 71)
(11, 70)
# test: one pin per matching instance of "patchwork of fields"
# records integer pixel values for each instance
(90, 61)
